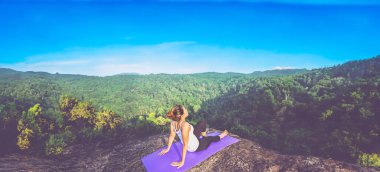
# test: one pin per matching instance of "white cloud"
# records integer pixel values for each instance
(170, 57)
(282, 68)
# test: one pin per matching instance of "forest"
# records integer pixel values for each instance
(331, 112)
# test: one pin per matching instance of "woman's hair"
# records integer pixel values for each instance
(176, 112)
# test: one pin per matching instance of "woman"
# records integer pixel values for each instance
(189, 135)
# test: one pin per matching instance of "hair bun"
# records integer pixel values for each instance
(176, 112)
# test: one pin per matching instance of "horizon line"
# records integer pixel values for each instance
(162, 73)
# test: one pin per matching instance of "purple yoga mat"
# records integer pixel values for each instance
(154, 162)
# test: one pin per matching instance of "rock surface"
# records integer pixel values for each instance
(126, 155)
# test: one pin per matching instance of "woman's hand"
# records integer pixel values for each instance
(177, 164)
(164, 151)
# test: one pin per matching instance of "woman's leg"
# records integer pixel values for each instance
(206, 141)
(199, 128)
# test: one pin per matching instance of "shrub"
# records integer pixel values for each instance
(55, 145)
(369, 160)
(58, 142)
(23, 139)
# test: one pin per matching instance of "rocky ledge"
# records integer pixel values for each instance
(126, 155)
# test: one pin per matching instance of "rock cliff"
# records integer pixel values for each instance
(126, 155)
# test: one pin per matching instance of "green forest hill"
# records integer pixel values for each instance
(328, 112)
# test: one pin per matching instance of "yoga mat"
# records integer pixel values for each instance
(154, 162)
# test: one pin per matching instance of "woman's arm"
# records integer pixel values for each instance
(170, 140)
(171, 136)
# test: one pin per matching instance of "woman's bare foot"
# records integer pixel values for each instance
(225, 133)
(204, 133)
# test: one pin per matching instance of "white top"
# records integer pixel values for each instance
(193, 141)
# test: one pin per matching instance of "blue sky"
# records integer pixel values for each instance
(95, 37)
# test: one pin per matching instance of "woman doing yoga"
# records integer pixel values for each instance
(189, 135)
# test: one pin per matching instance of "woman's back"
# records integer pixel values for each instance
(193, 141)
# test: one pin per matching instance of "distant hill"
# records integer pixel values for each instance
(359, 68)
(278, 72)
(268, 73)
(125, 87)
